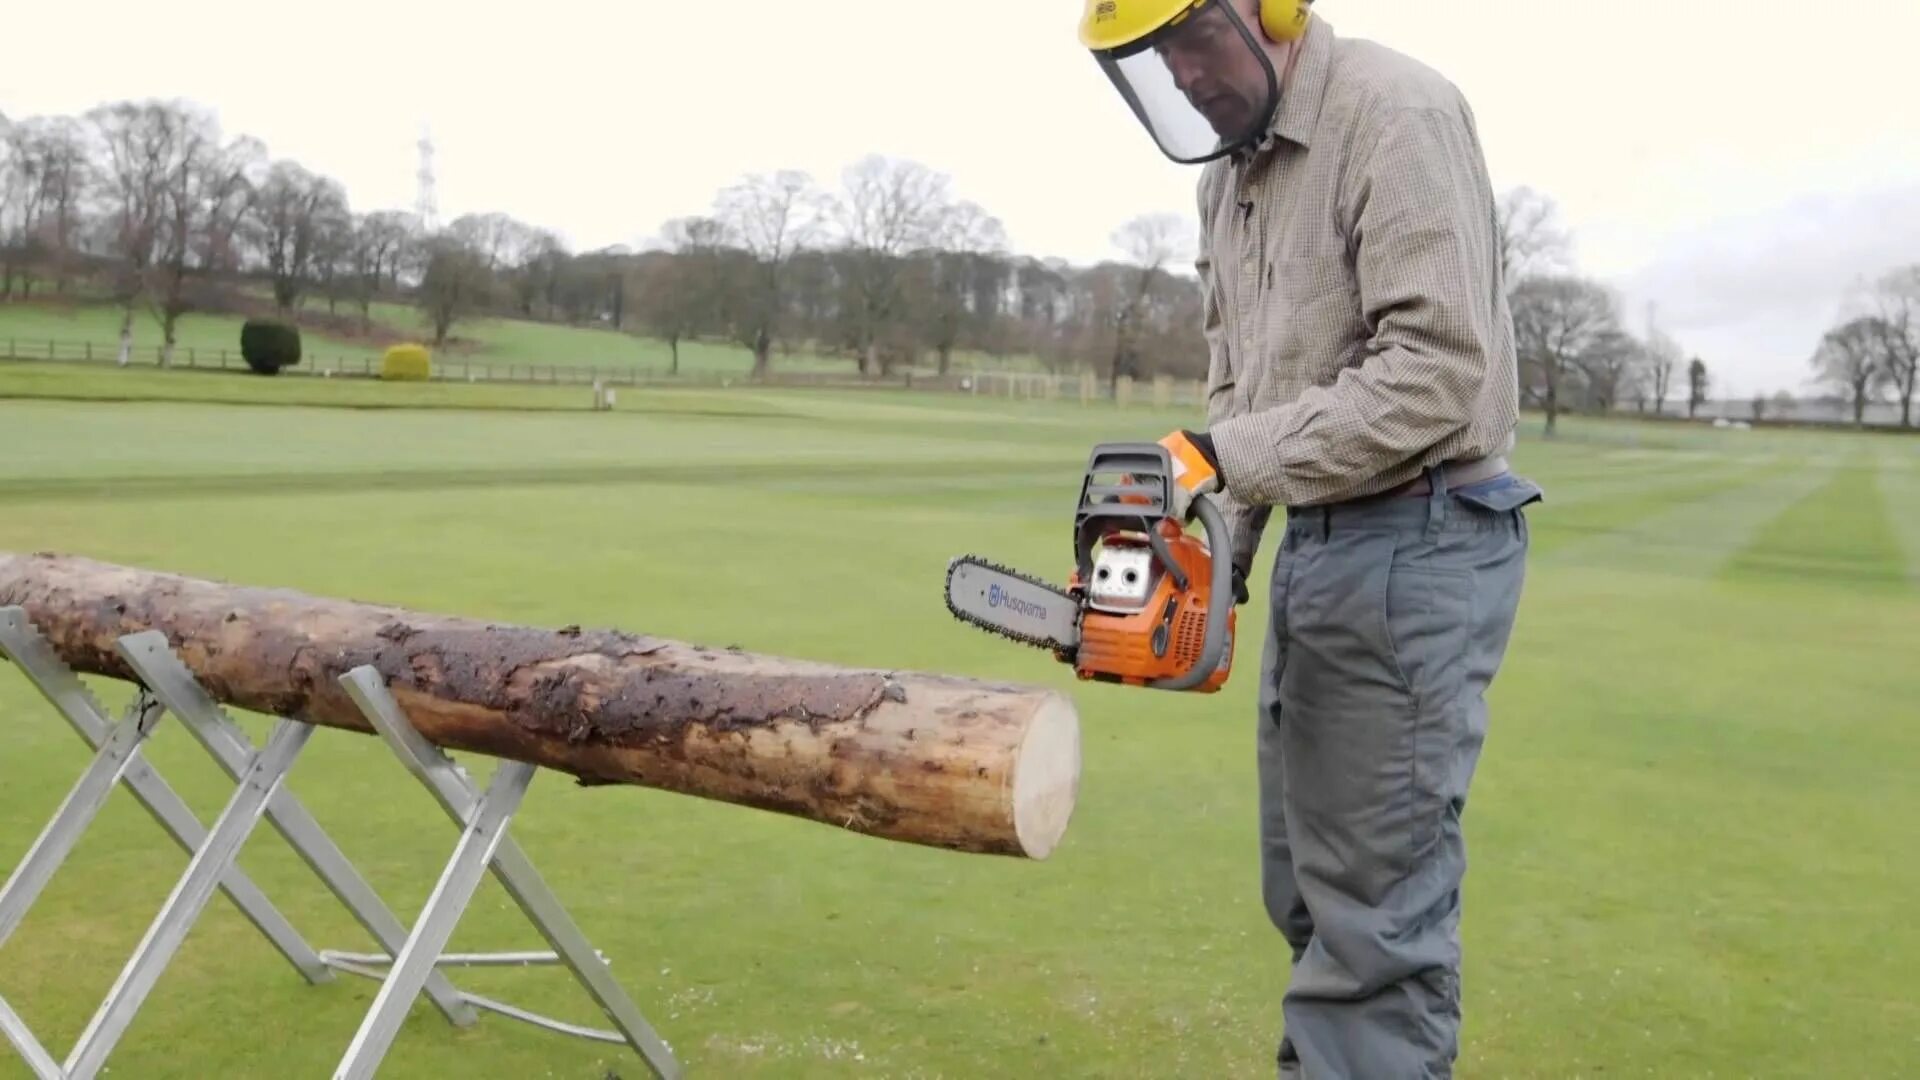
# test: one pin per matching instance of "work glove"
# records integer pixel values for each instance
(1196, 472)
(1196, 469)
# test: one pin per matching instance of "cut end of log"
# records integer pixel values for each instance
(1046, 777)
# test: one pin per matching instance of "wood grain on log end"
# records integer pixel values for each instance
(1046, 777)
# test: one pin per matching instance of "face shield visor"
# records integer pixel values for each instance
(1200, 84)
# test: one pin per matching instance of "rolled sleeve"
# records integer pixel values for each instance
(1421, 236)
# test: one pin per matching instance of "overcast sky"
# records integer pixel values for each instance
(1738, 164)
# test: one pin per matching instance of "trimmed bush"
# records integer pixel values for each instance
(268, 345)
(406, 362)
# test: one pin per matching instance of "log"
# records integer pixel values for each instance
(921, 758)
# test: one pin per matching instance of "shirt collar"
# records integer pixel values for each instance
(1300, 100)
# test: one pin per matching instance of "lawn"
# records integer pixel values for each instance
(1690, 842)
(528, 348)
(81, 382)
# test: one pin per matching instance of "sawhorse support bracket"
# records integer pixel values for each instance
(413, 959)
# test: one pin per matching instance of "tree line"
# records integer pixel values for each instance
(1577, 353)
(1874, 349)
(888, 268)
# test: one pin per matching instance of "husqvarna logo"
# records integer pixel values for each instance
(999, 597)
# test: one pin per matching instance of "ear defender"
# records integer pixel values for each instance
(1284, 20)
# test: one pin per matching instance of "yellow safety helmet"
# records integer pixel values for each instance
(1191, 70)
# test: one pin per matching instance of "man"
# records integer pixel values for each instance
(1363, 379)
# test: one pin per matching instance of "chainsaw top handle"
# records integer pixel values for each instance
(1128, 487)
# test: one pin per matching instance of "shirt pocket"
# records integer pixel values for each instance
(1310, 316)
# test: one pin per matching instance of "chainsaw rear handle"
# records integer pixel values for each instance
(1219, 603)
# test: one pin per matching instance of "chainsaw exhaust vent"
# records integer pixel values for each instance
(1189, 638)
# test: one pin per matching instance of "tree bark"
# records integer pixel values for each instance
(126, 336)
(919, 758)
(762, 354)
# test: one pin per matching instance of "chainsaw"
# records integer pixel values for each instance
(1148, 604)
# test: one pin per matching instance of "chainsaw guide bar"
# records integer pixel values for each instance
(1016, 606)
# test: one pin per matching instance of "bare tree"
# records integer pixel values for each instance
(1898, 302)
(537, 264)
(10, 185)
(1532, 240)
(683, 289)
(453, 284)
(1610, 365)
(1662, 359)
(1152, 242)
(1852, 358)
(1558, 319)
(332, 264)
(946, 278)
(20, 195)
(498, 241)
(770, 217)
(67, 175)
(378, 241)
(291, 216)
(140, 148)
(888, 209)
(203, 198)
(1698, 383)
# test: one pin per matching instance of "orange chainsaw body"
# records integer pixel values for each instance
(1151, 604)
(1158, 631)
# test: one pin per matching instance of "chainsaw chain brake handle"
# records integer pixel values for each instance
(1128, 487)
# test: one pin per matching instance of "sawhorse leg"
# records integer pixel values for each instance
(21, 643)
(170, 681)
(169, 928)
(483, 820)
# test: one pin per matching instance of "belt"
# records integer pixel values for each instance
(1458, 474)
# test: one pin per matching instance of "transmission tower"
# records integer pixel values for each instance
(424, 202)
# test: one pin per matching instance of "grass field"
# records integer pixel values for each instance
(79, 382)
(1691, 841)
(28, 327)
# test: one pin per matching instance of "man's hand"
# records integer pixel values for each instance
(1196, 469)
(1196, 472)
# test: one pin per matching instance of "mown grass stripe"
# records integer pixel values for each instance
(1836, 534)
(1568, 519)
(741, 473)
(1575, 490)
(1693, 530)
(1899, 483)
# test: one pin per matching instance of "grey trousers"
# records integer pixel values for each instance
(1390, 619)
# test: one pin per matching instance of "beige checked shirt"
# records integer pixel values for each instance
(1354, 309)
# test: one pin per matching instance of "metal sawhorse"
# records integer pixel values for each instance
(414, 958)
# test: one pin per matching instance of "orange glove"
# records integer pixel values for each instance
(1196, 469)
